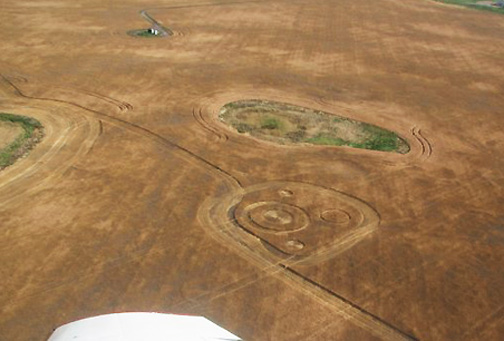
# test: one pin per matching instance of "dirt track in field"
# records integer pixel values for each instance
(139, 199)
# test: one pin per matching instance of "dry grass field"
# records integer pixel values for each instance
(139, 198)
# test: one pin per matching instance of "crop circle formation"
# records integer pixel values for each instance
(273, 216)
(296, 219)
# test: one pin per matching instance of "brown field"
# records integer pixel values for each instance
(139, 199)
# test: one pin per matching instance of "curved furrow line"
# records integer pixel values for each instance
(222, 135)
(425, 145)
(72, 132)
(122, 105)
(414, 132)
(61, 131)
(198, 117)
(139, 130)
(428, 145)
(19, 79)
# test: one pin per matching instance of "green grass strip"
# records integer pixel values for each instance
(8, 154)
(474, 4)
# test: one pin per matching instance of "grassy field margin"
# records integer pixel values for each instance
(474, 4)
(33, 132)
(289, 124)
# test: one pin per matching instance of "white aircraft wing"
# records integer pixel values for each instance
(142, 327)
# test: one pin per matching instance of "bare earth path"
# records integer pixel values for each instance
(139, 199)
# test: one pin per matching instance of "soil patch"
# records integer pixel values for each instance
(290, 124)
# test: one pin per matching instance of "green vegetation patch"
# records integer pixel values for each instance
(490, 5)
(151, 32)
(144, 33)
(289, 124)
(32, 134)
(270, 123)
